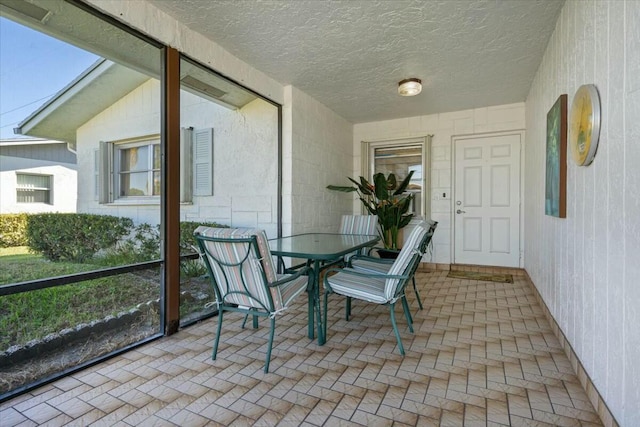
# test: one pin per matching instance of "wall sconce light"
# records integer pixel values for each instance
(410, 87)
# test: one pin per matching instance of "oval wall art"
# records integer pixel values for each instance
(584, 131)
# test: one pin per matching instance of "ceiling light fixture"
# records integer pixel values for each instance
(410, 87)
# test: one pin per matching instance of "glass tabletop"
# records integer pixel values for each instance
(320, 246)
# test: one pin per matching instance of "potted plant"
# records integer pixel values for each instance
(386, 199)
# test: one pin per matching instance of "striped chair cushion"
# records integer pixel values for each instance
(380, 267)
(379, 290)
(288, 291)
(374, 289)
(230, 278)
(368, 289)
(430, 225)
(409, 250)
(367, 266)
(359, 224)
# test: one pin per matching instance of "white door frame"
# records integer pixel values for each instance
(464, 137)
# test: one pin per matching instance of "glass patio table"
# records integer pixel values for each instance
(316, 248)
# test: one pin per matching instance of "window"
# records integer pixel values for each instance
(34, 188)
(401, 156)
(138, 169)
(131, 170)
(131, 59)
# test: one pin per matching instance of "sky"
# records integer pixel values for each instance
(33, 67)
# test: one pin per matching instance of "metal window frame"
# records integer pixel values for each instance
(48, 190)
(117, 172)
(169, 204)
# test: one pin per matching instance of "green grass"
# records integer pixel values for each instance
(16, 250)
(32, 315)
(18, 265)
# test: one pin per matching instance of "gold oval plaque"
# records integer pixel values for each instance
(584, 130)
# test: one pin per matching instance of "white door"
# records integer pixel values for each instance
(486, 202)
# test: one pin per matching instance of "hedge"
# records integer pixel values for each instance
(78, 237)
(74, 237)
(13, 229)
(188, 240)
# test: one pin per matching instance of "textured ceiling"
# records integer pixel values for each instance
(350, 55)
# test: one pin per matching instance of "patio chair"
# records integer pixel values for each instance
(379, 288)
(373, 264)
(358, 224)
(349, 224)
(241, 269)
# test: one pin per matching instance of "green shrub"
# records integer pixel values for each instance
(147, 241)
(144, 245)
(188, 245)
(192, 268)
(13, 230)
(74, 237)
(187, 239)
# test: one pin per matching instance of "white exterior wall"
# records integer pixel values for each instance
(245, 164)
(245, 158)
(586, 267)
(135, 115)
(443, 127)
(150, 20)
(63, 191)
(317, 152)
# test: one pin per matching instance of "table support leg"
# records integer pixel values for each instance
(316, 295)
(311, 306)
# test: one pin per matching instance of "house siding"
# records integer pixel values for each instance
(443, 127)
(586, 267)
(50, 153)
(244, 140)
(53, 160)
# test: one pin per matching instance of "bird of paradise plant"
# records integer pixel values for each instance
(386, 199)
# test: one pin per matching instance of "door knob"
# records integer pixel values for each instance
(460, 212)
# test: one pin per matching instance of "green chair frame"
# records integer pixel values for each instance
(232, 281)
(399, 281)
(385, 263)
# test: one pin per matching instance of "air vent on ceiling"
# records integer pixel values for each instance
(200, 86)
(29, 10)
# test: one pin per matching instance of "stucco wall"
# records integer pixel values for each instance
(135, 115)
(245, 158)
(245, 182)
(586, 267)
(443, 127)
(317, 152)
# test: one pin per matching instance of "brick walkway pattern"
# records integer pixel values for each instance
(482, 354)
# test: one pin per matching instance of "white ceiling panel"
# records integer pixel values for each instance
(350, 55)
